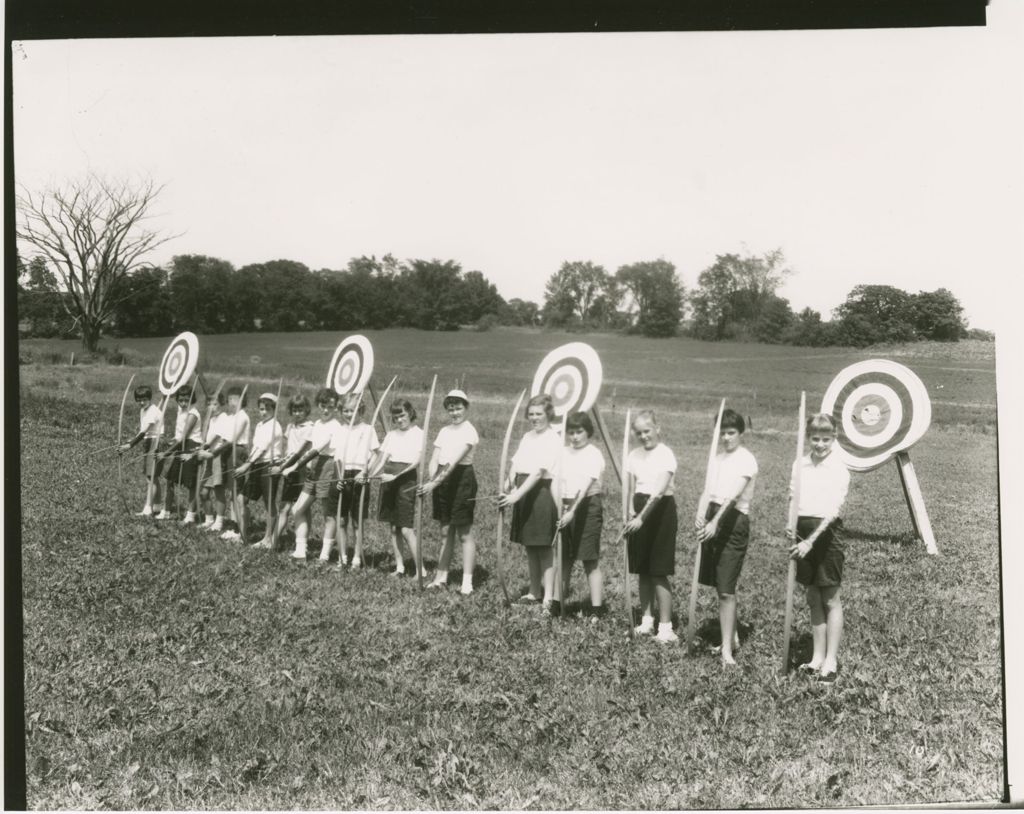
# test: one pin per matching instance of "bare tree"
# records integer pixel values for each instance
(91, 232)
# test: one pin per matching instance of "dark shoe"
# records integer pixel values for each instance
(807, 669)
(527, 599)
(828, 678)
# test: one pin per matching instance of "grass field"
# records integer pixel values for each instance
(165, 669)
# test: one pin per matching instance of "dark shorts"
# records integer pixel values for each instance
(211, 472)
(652, 549)
(581, 539)
(258, 483)
(398, 497)
(152, 467)
(183, 472)
(321, 474)
(453, 501)
(721, 557)
(350, 493)
(823, 565)
(534, 516)
(292, 487)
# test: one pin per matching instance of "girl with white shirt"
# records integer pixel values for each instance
(213, 455)
(354, 442)
(534, 515)
(581, 521)
(150, 431)
(298, 439)
(267, 448)
(395, 463)
(453, 483)
(652, 529)
(819, 548)
(188, 436)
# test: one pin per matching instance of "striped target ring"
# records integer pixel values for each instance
(179, 362)
(351, 366)
(571, 375)
(880, 408)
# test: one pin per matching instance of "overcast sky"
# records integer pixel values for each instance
(879, 156)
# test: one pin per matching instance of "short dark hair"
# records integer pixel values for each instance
(326, 396)
(143, 391)
(399, 406)
(731, 420)
(579, 421)
(235, 390)
(299, 403)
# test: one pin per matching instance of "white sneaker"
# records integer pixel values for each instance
(466, 590)
(147, 512)
(207, 523)
(216, 527)
(666, 635)
(190, 520)
(164, 515)
(645, 628)
(300, 551)
(231, 536)
(398, 572)
(261, 544)
(356, 563)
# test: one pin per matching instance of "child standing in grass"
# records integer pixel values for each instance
(237, 425)
(187, 439)
(396, 462)
(267, 447)
(320, 475)
(297, 443)
(819, 548)
(214, 454)
(534, 514)
(354, 442)
(150, 431)
(652, 529)
(453, 484)
(724, 531)
(582, 519)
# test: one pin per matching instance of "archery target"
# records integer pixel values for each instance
(571, 375)
(179, 362)
(880, 408)
(351, 366)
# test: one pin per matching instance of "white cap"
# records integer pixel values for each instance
(456, 394)
(268, 397)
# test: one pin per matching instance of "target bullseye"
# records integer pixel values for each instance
(880, 408)
(571, 375)
(351, 366)
(179, 362)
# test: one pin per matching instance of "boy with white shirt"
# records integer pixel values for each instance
(150, 430)
(354, 442)
(724, 532)
(818, 547)
(267, 448)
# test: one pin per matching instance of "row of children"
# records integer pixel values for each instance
(332, 460)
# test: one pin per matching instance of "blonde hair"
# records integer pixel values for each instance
(545, 400)
(648, 414)
(820, 422)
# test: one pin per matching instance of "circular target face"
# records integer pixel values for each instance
(179, 362)
(571, 375)
(351, 366)
(880, 408)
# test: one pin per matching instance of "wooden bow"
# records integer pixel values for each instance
(702, 509)
(502, 475)
(239, 510)
(207, 470)
(627, 580)
(120, 462)
(339, 465)
(420, 475)
(794, 512)
(366, 486)
(273, 502)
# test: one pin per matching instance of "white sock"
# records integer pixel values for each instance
(325, 551)
(664, 626)
(441, 576)
(467, 582)
(647, 621)
(190, 516)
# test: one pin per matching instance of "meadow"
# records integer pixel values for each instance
(167, 669)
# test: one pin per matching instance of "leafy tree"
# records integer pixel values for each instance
(275, 295)
(92, 234)
(146, 307)
(657, 294)
(876, 313)
(479, 296)
(431, 289)
(774, 320)
(520, 312)
(733, 291)
(938, 315)
(201, 293)
(580, 292)
(39, 301)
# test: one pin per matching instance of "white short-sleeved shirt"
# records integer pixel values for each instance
(731, 470)
(452, 439)
(237, 427)
(403, 447)
(321, 437)
(149, 421)
(649, 465)
(220, 427)
(537, 451)
(196, 432)
(296, 435)
(353, 445)
(823, 486)
(266, 433)
(578, 468)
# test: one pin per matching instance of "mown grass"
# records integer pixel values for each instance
(165, 669)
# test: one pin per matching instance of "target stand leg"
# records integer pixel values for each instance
(915, 501)
(606, 438)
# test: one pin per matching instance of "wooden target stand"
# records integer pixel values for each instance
(915, 501)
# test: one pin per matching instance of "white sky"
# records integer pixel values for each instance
(880, 156)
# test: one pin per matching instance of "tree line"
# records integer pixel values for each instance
(81, 273)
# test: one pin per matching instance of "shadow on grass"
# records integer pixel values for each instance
(903, 539)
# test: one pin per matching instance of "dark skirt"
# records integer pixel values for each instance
(652, 548)
(581, 539)
(534, 516)
(823, 565)
(292, 487)
(183, 472)
(152, 466)
(453, 500)
(211, 473)
(258, 483)
(721, 557)
(398, 498)
(350, 492)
